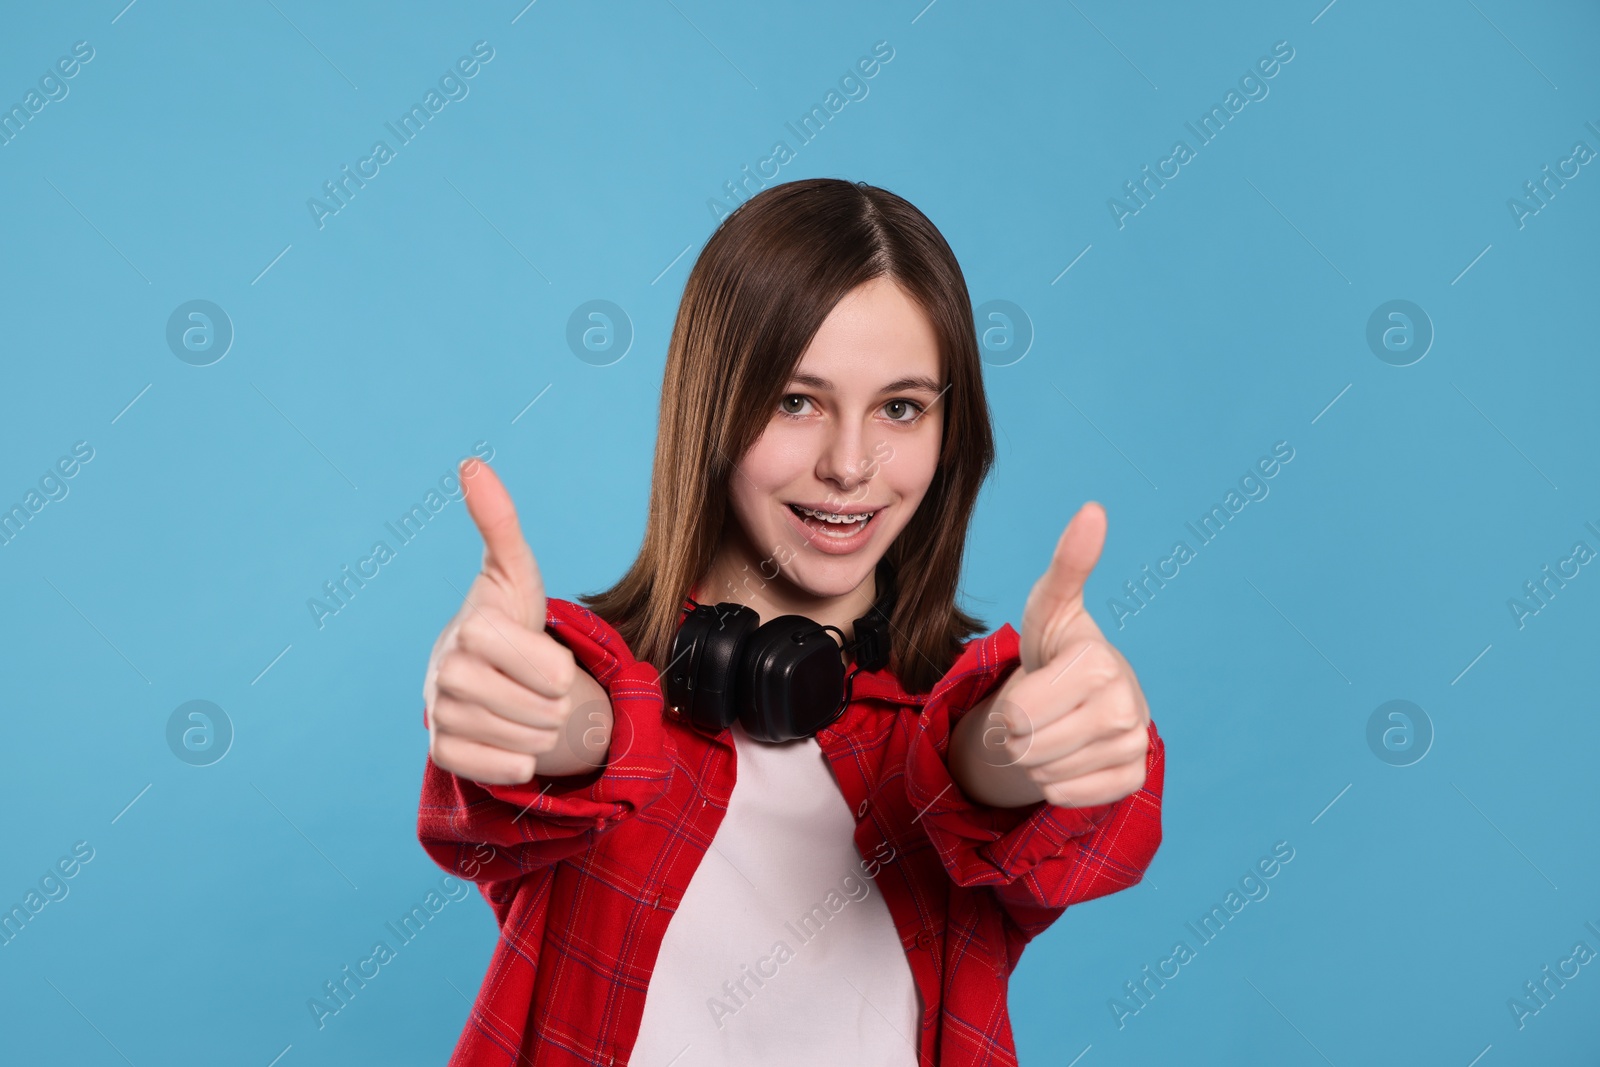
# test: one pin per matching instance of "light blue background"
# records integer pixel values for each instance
(425, 316)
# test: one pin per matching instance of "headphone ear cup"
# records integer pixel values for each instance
(791, 679)
(701, 683)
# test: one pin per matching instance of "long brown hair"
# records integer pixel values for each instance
(758, 293)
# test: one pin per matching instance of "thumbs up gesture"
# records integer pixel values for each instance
(499, 689)
(1069, 726)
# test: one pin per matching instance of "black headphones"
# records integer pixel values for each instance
(782, 679)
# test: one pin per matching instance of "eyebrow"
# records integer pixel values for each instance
(915, 381)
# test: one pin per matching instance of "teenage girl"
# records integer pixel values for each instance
(671, 895)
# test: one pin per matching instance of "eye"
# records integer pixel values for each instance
(902, 410)
(794, 405)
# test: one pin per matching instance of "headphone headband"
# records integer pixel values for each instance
(872, 643)
(782, 679)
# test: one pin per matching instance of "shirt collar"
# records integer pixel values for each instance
(883, 685)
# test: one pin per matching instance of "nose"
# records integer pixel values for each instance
(843, 463)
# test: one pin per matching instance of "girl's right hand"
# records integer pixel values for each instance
(499, 689)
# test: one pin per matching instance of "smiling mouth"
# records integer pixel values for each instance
(833, 523)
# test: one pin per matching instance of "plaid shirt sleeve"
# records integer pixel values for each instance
(1041, 858)
(492, 833)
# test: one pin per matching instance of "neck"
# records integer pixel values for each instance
(739, 575)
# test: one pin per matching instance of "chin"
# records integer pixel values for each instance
(828, 579)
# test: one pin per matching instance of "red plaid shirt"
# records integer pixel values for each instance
(584, 873)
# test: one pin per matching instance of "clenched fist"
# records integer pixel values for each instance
(499, 690)
(1070, 724)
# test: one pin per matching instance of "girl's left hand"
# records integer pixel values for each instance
(1072, 718)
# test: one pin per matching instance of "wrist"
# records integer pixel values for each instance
(583, 742)
(982, 766)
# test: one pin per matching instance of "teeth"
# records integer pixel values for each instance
(829, 516)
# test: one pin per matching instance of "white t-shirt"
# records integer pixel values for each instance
(783, 952)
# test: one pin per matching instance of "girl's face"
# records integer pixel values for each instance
(849, 452)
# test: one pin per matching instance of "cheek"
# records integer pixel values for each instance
(745, 501)
(775, 461)
(911, 470)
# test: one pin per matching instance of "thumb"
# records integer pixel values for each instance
(506, 554)
(1057, 597)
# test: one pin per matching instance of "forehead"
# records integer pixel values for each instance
(876, 334)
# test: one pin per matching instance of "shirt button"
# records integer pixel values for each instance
(861, 809)
(925, 940)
